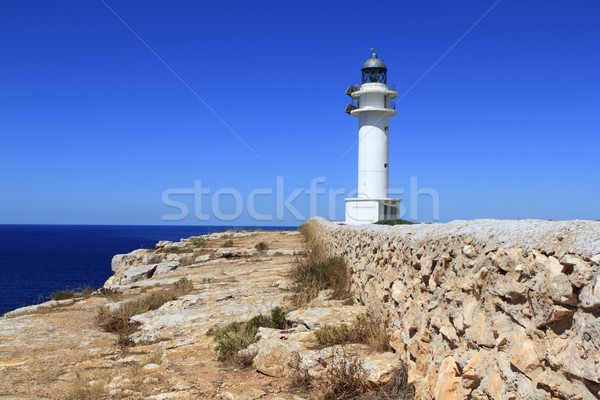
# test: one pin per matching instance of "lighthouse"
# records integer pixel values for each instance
(371, 105)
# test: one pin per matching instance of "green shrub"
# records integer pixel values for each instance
(261, 246)
(395, 222)
(278, 318)
(228, 243)
(236, 336)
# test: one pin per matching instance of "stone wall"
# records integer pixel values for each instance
(483, 309)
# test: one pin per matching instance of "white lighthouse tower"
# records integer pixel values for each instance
(371, 104)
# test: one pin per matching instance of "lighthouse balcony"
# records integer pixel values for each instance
(371, 88)
(389, 111)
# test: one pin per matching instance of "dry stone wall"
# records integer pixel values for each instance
(483, 309)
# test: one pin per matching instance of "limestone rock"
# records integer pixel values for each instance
(398, 290)
(522, 351)
(281, 252)
(448, 386)
(277, 353)
(42, 307)
(380, 367)
(228, 252)
(590, 295)
(315, 318)
(203, 258)
(165, 268)
(244, 393)
(581, 357)
(469, 251)
(136, 273)
(472, 372)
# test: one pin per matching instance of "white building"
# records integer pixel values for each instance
(371, 104)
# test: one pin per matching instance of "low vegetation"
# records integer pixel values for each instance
(395, 222)
(117, 319)
(261, 246)
(169, 250)
(69, 294)
(89, 387)
(228, 243)
(347, 379)
(396, 388)
(364, 330)
(236, 336)
(198, 241)
(316, 271)
(187, 259)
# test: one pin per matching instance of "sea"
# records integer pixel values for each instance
(37, 260)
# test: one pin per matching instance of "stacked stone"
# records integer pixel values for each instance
(481, 309)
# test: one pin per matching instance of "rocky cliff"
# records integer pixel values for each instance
(59, 350)
(483, 309)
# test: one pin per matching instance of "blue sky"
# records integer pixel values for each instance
(95, 128)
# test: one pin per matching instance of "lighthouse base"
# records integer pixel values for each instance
(366, 211)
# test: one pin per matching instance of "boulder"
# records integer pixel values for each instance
(165, 268)
(277, 352)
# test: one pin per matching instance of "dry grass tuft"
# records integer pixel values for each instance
(111, 294)
(364, 330)
(316, 271)
(155, 257)
(137, 374)
(89, 387)
(397, 388)
(187, 259)
(169, 250)
(117, 320)
(346, 379)
(198, 241)
(69, 294)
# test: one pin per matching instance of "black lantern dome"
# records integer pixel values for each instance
(374, 70)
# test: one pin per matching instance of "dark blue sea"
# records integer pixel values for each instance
(36, 260)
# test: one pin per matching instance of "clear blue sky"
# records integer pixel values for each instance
(94, 128)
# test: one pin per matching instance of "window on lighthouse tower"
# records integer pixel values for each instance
(374, 70)
(374, 75)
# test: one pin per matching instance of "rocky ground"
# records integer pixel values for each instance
(58, 350)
